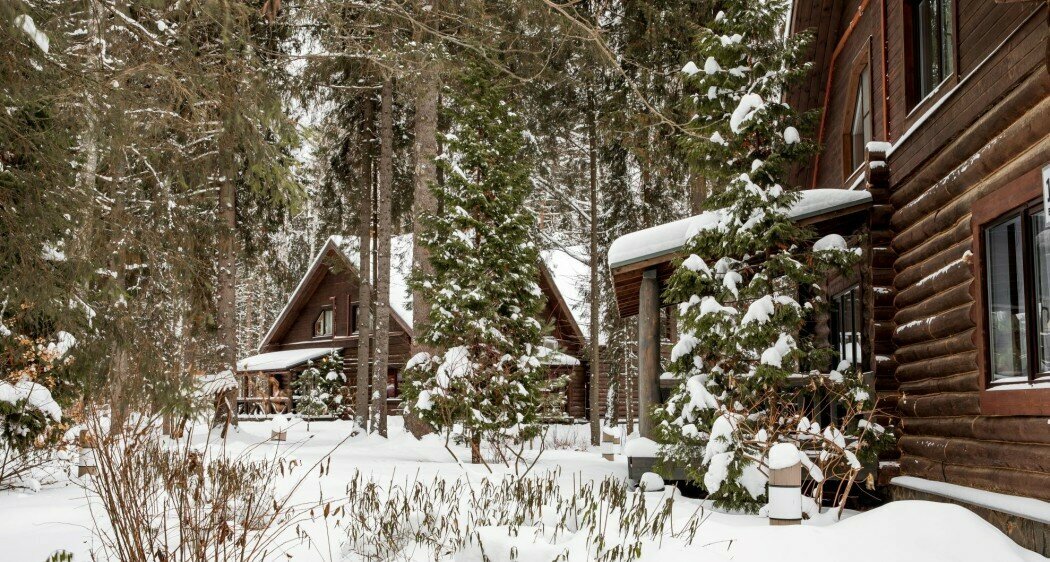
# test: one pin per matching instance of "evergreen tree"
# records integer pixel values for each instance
(319, 388)
(746, 368)
(485, 372)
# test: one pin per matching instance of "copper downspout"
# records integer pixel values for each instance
(827, 89)
(885, 78)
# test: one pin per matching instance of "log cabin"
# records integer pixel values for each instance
(938, 112)
(320, 318)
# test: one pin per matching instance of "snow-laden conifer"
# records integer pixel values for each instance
(750, 372)
(484, 373)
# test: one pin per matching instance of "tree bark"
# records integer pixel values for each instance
(426, 150)
(596, 292)
(386, 179)
(364, 300)
(697, 193)
(228, 283)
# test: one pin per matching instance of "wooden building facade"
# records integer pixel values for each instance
(939, 112)
(321, 318)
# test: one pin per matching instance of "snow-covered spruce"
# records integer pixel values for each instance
(750, 375)
(486, 374)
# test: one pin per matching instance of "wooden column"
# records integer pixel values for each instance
(648, 351)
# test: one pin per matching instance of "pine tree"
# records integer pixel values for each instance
(318, 389)
(751, 279)
(485, 371)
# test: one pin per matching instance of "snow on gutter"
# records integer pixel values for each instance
(669, 238)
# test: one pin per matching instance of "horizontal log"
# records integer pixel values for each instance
(955, 273)
(955, 343)
(935, 244)
(883, 296)
(958, 208)
(962, 382)
(937, 367)
(939, 405)
(1012, 115)
(1021, 429)
(934, 327)
(933, 265)
(948, 299)
(1003, 480)
(972, 452)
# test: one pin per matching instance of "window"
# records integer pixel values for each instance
(846, 333)
(353, 318)
(930, 52)
(1017, 292)
(860, 128)
(323, 324)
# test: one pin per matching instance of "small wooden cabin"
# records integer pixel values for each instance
(321, 318)
(939, 112)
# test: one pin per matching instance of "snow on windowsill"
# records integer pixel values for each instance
(1029, 508)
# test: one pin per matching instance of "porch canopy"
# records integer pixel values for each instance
(641, 262)
(282, 360)
(655, 249)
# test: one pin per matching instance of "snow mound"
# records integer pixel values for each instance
(641, 447)
(783, 455)
(651, 482)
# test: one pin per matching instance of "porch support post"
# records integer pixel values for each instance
(648, 351)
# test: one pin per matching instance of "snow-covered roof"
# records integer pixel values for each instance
(571, 276)
(669, 238)
(278, 360)
(550, 356)
(400, 269)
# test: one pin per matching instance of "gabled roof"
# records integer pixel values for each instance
(335, 249)
(279, 360)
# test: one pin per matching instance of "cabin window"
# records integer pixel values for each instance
(1017, 290)
(846, 333)
(323, 324)
(861, 123)
(353, 318)
(931, 48)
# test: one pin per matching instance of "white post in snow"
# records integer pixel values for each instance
(785, 485)
(610, 443)
(88, 465)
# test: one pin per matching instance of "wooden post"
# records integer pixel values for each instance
(648, 351)
(88, 465)
(785, 495)
(609, 444)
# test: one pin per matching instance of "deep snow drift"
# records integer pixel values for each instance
(62, 515)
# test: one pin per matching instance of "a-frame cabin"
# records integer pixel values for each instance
(321, 315)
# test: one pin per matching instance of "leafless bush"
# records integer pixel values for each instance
(32, 468)
(169, 501)
(565, 438)
(434, 520)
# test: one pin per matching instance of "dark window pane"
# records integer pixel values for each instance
(1040, 245)
(1006, 317)
(932, 32)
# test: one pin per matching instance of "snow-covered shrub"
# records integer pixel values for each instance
(31, 420)
(486, 374)
(749, 375)
(319, 389)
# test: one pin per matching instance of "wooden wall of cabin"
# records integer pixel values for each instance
(985, 126)
(991, 132)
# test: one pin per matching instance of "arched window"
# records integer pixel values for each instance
(860, 125)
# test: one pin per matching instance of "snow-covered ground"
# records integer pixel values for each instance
(60, 516)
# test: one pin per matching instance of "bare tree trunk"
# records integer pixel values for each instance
(697, 193)
(227, 304)
(364, 302)
(386, 184)
(596, 291)
(426, 150)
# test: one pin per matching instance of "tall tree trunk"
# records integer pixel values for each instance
(227, 301)
(384, 194)
(596, 292)
(364, 300)
(426, 151)
(697, 193)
